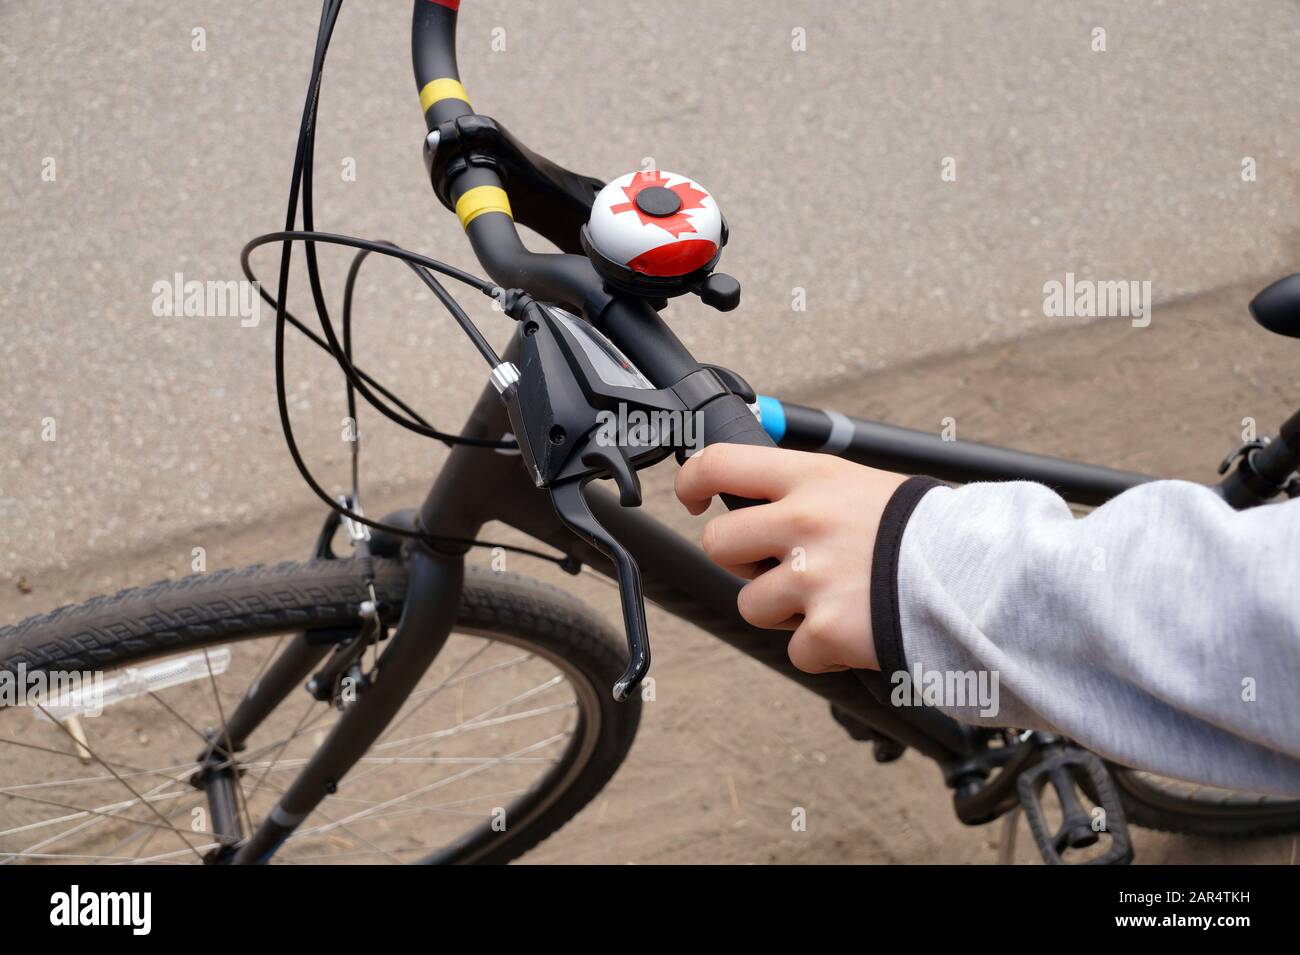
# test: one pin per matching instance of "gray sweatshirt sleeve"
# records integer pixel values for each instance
(1162, 630)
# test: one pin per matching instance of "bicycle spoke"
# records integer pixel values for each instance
(230, 749)
(299, 762)
(284, 745)
(80, 811)
(354, 834)
(99, 814)
(475, 724)
(7, 790)
(416, 740)
(64, 857)
(148, 834)
(128, 786)
(495, 668)
(447, 781)
(429, 694)
(261, 668)
(362, 823)
(171, 855)
(448, 807)
(182, 720)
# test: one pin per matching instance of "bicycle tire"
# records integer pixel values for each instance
(226, 606)
(1199, 810)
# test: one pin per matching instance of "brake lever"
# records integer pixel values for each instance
(571, 382)
(573, 511)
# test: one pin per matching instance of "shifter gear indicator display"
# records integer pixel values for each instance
(613, 367)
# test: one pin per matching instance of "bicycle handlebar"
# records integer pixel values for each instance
(478, 193)
(483, 208)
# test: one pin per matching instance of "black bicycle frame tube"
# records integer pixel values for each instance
(1263, 472)
(433, 594)
(289, 672)
(920, 452)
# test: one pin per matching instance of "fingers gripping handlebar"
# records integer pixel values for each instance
(570, 374)
(728, 420)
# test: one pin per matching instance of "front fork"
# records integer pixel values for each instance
(428, 614)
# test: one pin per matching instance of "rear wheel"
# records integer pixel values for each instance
(1171, 805)
(510, 732)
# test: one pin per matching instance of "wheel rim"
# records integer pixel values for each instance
(492, 735)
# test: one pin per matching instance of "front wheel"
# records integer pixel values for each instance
(509, 734)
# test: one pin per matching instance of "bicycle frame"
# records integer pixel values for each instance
(477, 486)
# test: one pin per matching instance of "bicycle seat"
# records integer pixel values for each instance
(1277, 308)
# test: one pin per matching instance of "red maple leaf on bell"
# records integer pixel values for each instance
(678, 222)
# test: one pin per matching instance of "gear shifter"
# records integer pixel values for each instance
(572, 508)
(581, 410)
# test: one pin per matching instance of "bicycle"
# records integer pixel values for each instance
(259, 778)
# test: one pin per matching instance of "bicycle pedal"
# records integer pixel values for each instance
(1066, 769)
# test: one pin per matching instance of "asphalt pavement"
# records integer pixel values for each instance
(129, 157)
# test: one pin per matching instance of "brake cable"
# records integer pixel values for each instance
(302, 179)
(420, 263)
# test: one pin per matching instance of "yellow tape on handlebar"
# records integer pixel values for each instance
(479, 200)
(436, 90)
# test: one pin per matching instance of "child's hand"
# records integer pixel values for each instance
(821, 524)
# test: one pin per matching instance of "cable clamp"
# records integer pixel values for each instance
(357, 532)
(1244, 451)
(503, 376)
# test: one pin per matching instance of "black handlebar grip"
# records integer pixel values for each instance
(728, 420)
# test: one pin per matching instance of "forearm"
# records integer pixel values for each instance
(1161, 630)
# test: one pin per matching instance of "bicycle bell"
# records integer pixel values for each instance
(657, 234)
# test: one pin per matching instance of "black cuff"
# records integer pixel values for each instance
(886, 625)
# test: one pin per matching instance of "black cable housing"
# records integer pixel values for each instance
(301, 188)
